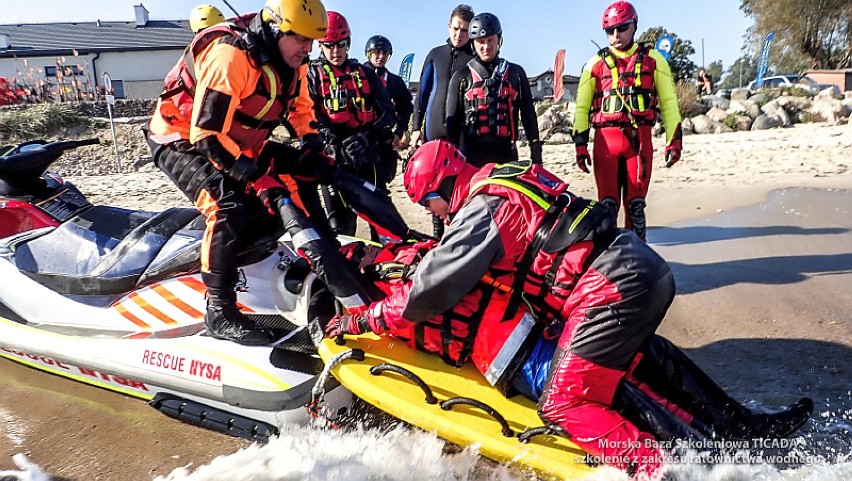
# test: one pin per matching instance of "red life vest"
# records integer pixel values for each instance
(489, 102)
(563, 235)
(255, 116)
(345, 94)
(626, 93)
(474, 329)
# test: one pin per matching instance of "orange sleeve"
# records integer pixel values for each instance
(302, 116)
(224, 76)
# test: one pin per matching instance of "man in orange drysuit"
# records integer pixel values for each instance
(210, 134)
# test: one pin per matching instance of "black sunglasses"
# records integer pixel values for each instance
(621, 28)
(339, 44)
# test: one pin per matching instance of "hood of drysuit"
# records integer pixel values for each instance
(461, 188)
(263, 45)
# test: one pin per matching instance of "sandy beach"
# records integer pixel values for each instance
(757, 227)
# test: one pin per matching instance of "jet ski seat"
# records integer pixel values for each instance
(108, 250)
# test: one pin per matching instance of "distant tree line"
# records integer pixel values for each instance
(809, 34)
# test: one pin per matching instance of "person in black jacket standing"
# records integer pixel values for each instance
(486, 101)
(441, 63)
(378, 51)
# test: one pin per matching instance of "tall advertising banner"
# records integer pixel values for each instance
(558, 68)
(664, 46)
(405, 67)
(763, 62)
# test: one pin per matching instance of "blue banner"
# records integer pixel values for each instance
(664, 45)
(405, 67)
(763, 62)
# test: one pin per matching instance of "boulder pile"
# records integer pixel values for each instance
(715, 114)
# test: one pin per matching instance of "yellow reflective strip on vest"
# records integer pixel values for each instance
(332, 80)
(613, 70)
(359, 101)
(273, 90)
(637, 71)
(580, 217)
(514, 186)
(358, 82)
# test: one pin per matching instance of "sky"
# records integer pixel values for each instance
(533, 30)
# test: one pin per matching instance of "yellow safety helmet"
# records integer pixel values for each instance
(302, 17)
(204, 16)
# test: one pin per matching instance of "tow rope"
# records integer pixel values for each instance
(315, 406)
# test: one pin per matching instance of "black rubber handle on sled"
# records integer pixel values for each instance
(506, 430)
(378, 369)
(525, 436)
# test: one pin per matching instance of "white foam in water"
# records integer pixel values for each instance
(823, 452)
(403, 454)
(13, 429)
(310, 454)
(28, 470)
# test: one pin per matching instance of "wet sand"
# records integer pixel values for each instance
(764, 307)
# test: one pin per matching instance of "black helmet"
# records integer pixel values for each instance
(484, 25)
(380, 43)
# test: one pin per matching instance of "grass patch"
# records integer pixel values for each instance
(731, 121)
(39, 121)
(797, 92)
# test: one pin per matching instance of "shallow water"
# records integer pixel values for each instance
(823, 451)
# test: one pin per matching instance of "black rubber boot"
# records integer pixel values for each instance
(669, 372)
(225, 321)
(785, 422)
(650, 417)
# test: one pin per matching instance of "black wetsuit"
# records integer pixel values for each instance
(438, 68)
(399, 95)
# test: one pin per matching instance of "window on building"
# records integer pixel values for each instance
(118, 88)
(70, 70)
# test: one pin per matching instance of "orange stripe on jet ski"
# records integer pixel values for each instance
(139, 335)
(130, 317)
(244, 307)
(194, 284)
(199, 286)
(160, 315)
(173, 300)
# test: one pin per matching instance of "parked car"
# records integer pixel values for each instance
(794, 81)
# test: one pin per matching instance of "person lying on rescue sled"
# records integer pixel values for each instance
(210, 134)
(600, 292)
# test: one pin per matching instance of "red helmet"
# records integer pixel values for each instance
(338, 28)
(433, 162)
(619, 13)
